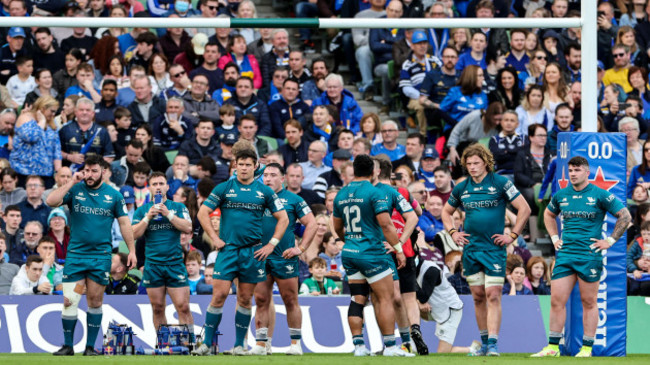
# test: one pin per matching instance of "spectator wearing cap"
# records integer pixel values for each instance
(428, 163)
(191, 58)
(171, 129)
(333, 176)
(415, 145)
(288, 107)
(389, 146)
(79, 39)
(412, 75)
(59, 231)
(295, 150)
(145, 48)
(129, 199)
(10, 51)
(209, 67)
(225, 158)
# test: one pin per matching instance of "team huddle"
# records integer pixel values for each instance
(257, 248)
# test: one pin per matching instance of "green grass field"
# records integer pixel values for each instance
(311, 359)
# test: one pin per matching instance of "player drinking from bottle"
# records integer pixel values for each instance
(362, 218)
(93, 207)
(164, 271)
(579, 252)
(282, 264)
(242, 255)
(484, 196)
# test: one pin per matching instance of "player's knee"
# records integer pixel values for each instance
(477, 279)
(588, 303)
(71, 299)
(493, 281)
(355, 310)
(290, 300)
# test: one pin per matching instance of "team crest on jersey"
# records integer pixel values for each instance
(492, 190)
(289, 269)
(497, 267)
(108, 197)
(181, 277)
(591, 201)
(260, 195)
(261, 272)
(593, 272)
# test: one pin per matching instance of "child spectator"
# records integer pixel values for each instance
(193, 266)
(515, 284)
(204, 286)
(22, 83)
(318, 284)
(538, 276)
(639, 196)
(125, 130)
(141, 172)
(638, 262)
(227, 116)
(331, 253)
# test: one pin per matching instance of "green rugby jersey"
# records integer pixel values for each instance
(395, 199)
(92, 212)
(162, 240)
(242, 208)
(357, 204)
(485, 208)
(296, 208)
(582, 213)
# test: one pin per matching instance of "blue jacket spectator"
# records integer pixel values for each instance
(640, 174)
(280, 111)
(254, 106)
(430, 225)
(381, 43)
(466, 97)
(633, 254)
(350, 112)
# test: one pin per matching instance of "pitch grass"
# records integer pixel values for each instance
(311, 359)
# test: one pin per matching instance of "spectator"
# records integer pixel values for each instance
(638, 79)
(7, 122)
(47, 55)
(436, 85)
(230, 76)
(474, 126)
(66, 77)
(419, 193)
(271, 92)
(573, 57)
(613, 97)
(277, 56)
(174, 41)
(10, 193)
(556, 91)
(106, 107)
(34, 208)
(51, 269)
(361, 146)
(83, 137)
(507, 89)
(120, 282)
(381, 44)
(126, 95)
(550, 45)
(345, 141)
(606, 32)
(246, 102)
(181, 83)
(207, 9)
(429, 162)
(314, 166)
(146, 107)
(157, 69)
(534, 72)
(7, 270)
(33, 232)
(79, 38)
(298, 70)
(295, 150)
(100, 57)
(389, 146)
(312, 89)
(496, 38)
(227, 116)
(116, 11)
(152, 154)
(122, 169)
(259, 47)
(171, 129)
(318, 284)
(532, 111)
(14, 236)
(295, 178)
(181, 176)
(22, 83)
(30, 281)
(442, 187)
(438, 38)
(538, 276)
(415, 143)
(333, 176)
(505, 145)
(475, 55)
(288, 107)
(245, 9)
(633, 14)
(640, 174)
(627, 36)
(248, 66)
(517, 58)
(145, 49)
(563, 119)
(125, 130)
(209, 68)
(60, 178)
(331, 253)
(515, 282)
(619, 72)
(37, 149)
(370, 128)
(59, 231)
(191, 58)
(198, 104)
(117, 71)
(9, 53)
(431, 219)
(221, 37)
(638, 262)
(412, 75)
(363, 54)
(84, 86)
(630, 127)
(193, 265)
(466, 97)
(202, 144)
(248, 128)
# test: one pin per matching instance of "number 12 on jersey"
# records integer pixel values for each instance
(352, 218)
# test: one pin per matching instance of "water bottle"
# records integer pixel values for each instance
(157, 199)
(329, 291)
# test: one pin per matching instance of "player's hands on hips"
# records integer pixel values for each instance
(599, 245)
(264, 252)
(291, 252)
(132, 260)
(389, 248)
(460, 238)
(218, 242)
(502, 239)
(401, 260)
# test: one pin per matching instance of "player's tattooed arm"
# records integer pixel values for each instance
(623, 219)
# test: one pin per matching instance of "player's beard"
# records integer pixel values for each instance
(95, 184)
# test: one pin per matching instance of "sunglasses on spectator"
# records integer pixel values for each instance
(540, 57)
(179, 74)
(618, 55)
(213, 8)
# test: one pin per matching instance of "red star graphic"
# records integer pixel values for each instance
(563, 182)
(600, 181)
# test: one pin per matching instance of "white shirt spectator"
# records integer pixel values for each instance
(18, 89)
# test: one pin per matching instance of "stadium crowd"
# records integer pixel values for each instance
(176, 100)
